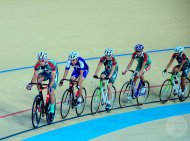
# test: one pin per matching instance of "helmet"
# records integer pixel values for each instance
(73, 55)
(138, 47)
(108, 51)
(179, 49)
(42, 56)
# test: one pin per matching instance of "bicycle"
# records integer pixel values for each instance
(129, 92)
(40, 109)
(100, 95)
(69, 99)
(172, 85)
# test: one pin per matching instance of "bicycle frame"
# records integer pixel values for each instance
(73, 96)
(42, 87)
(173, 78)
(104, 90)
(136, 94)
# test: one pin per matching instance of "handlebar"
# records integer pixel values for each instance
(42, 86)
(101, 78)
(70, 80)
(173, 73)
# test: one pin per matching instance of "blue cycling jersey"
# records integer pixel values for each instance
(80, 65)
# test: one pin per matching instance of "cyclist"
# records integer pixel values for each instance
(49, 71)
(80, 72)
(183, 65)
(110, 72)
(144, 64)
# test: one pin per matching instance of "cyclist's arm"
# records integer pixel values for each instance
(34, 78)
(170, 63)
(130, 64)
(182, 63)
(65, 73)
(98, 68)
(53, 73)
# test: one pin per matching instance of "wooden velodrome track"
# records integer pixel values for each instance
(88, 27)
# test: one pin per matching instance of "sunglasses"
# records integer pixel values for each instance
(138, 51)
(108, 55)
(73, 60)
(41, 60)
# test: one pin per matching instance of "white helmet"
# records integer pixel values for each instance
(42, 56)
(108, 51)
(179, 49)
(73, 55)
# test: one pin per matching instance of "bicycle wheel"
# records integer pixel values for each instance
(113, 97)
(186, 92)
(125, 92)
(79, 109)
(95, 101)
(65, 103)
(141, 98)
(36, 111)
(166, 91)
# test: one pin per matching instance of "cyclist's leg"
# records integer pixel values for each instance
(52, 93)
(138, 68)
(183, 77)
(80, 84)
(104, 74)
(85, 73)
(110, 84)
(75, 74)
(146, 68)
(175, 69)
(41, 77)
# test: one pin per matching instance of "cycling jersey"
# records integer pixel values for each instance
(50, 66)
(180, 58)
(108, 66)
(142, 58)
(109, 63)
(80, 65)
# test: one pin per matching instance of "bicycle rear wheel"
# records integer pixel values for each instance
(37, 111)
(95, 101)
(79, 109)
(186, 92)
(65, 103)
(141, 98)
(113, 96)
(125, 92)
(166, 91)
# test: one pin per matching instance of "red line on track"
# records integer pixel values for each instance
(23, 111)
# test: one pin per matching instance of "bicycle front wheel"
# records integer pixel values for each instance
(65, 103)
(141, 98)
(124, 95)
(166, 91)
(183, 97)
(37, 111)
(79, 109)
(95, 101)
